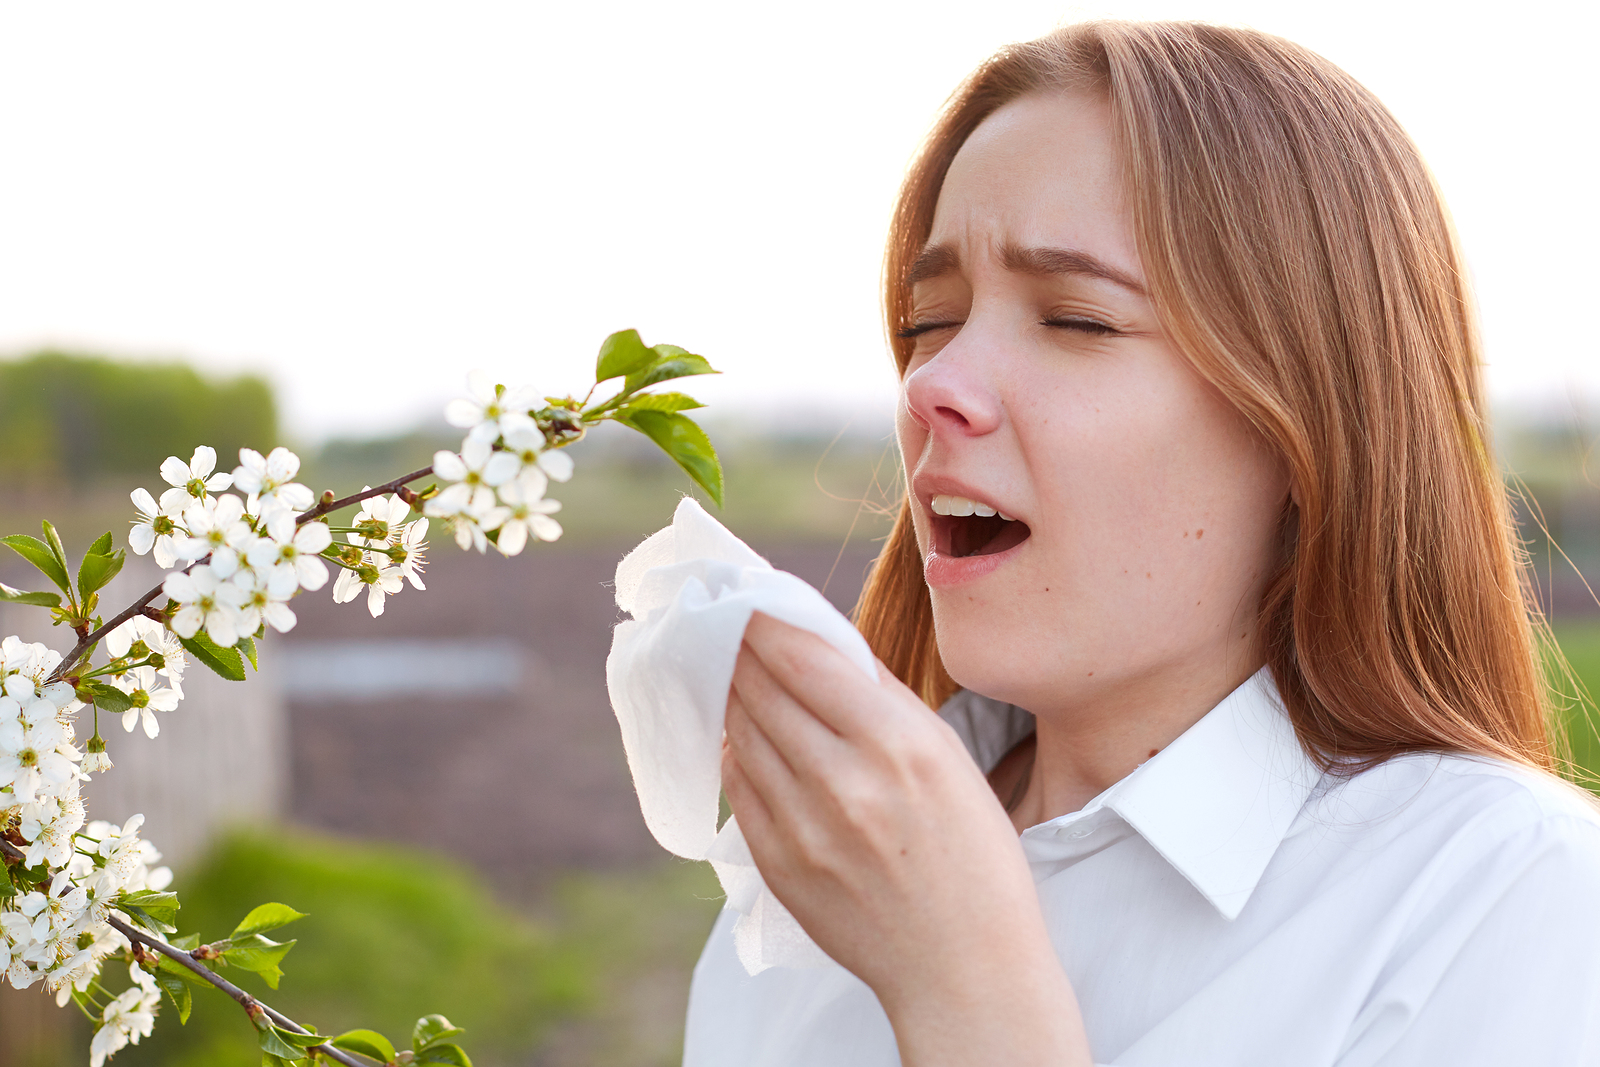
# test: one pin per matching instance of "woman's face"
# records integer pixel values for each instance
(1143, 508)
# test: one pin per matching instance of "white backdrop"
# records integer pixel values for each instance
(364, 199)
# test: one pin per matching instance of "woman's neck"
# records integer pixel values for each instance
(1079, 751)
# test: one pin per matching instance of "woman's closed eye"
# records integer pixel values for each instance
(1079, 322)
(917, 329)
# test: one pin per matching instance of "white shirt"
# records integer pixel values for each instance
(1225, 904)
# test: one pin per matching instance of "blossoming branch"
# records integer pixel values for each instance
(239, 545)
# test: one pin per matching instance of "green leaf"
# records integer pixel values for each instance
(171, 968)
(159, 909)
(178, 990)
(258, 954)
(664, 368)
(683, 440)
(266, 917)
(621, 353)
(302, 1041)
(451, 1054)
(53, 539)
(188, 942)
(102, 545)
(38, 553)
(109, 698)
(661, 402)
(224, 661)
(431, 1029)
(7, 890)
(96, 570)
(367, 1042)
(38, 600)
(272, 1043)
(247, 645)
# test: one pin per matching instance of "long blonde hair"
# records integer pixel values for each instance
(1299, 254)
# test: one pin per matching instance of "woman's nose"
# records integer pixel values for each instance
(945, 396)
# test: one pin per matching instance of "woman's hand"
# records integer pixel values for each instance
(873, 826)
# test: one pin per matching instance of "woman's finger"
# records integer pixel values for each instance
(819, 678)
(807, 743)
(755, 817)
(764, 767)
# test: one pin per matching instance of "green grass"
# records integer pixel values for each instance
(1580, 644)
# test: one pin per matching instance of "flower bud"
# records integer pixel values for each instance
(157, 660)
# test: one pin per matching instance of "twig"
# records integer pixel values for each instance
(12, 852)
(355, 498)
(249, 1003)
(70, 660)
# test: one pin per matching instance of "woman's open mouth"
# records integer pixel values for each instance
(963, 527)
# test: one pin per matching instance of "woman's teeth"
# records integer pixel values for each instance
(961, 506)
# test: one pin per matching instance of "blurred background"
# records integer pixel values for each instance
(303, 224)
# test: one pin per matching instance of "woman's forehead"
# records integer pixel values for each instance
(1041, 172)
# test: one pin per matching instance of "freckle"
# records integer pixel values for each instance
(1091, 674)
(1147, 574)
(1153, 751)
(1186, 533)
(1047, 589)
(1197, 603)
(903, 851)
(1199, 534)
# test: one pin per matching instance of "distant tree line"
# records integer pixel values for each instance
(72, 419)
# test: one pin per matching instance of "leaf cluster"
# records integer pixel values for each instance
(99, 565)
(659, 416)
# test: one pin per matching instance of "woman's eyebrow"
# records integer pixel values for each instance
(1044, 261)
(936, 261)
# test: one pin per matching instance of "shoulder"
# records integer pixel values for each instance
(1463, 811)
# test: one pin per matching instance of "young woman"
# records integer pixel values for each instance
(1241, 756)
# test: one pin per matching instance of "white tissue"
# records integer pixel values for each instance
(691, 589)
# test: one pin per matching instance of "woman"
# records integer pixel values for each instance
(1242, 755)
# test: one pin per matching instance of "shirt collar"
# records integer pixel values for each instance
(1217, 802)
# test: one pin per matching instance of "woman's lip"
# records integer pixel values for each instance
(943, 571)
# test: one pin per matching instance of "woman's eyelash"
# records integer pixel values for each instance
(917, 329)
(1079, 322)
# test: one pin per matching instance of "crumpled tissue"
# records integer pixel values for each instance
(691, 589)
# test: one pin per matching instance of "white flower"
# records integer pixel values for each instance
(408, 553)
(380, 517)
(493, 411)
(530, 514)
(528, 447)
(191, 481)
(127, 1018)
(148, 698)
(216, 527)
(35, 749)
(264, 603)
(155, 638)
(288, 555)
(207, 601)
(475, 473)
(48, 825)
(380, 579)
(156, 528)
(270, 480)
(95, 760)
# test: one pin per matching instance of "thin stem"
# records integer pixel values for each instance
(249, 1003)
(356, 498)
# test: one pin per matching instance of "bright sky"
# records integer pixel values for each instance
(364, 200)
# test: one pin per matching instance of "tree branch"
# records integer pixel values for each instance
(355, 498)
(249, 1003)
(12, 852)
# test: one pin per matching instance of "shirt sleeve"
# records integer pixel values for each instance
(1501, 964)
